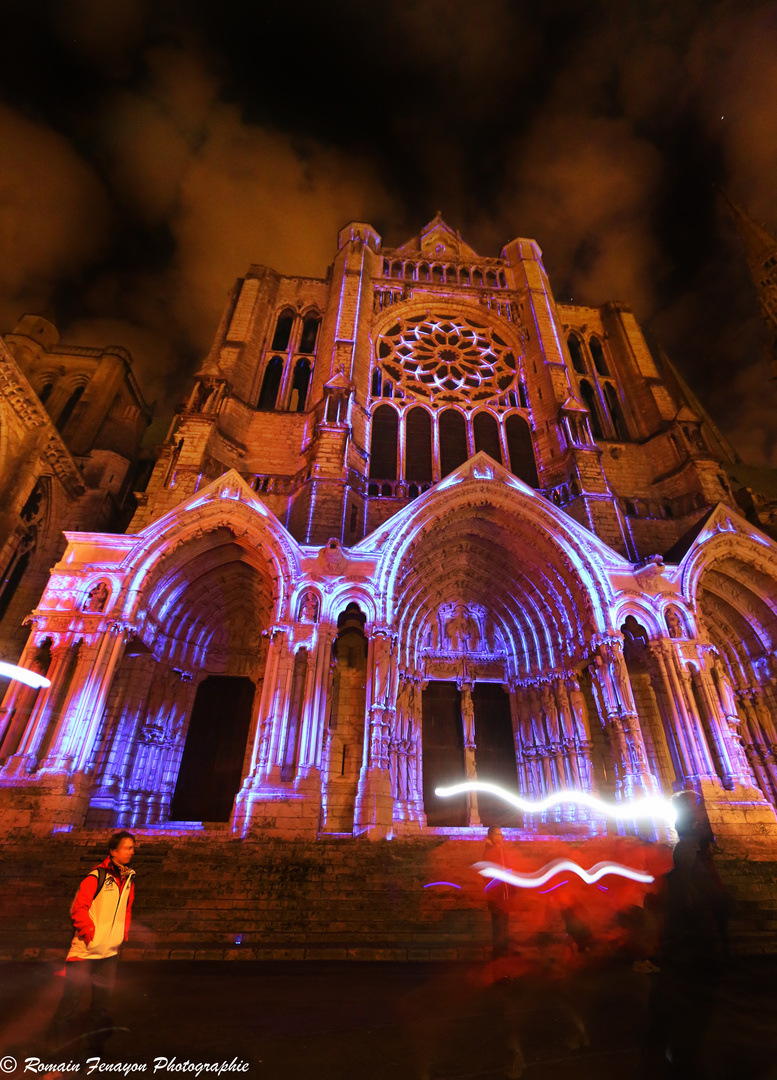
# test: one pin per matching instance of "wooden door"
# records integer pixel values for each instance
(443, 753)
(495, 753)
(212, 762)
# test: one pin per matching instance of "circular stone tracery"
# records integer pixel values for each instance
(443, 359)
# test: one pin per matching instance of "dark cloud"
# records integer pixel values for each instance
(54, 213)
(157, 150)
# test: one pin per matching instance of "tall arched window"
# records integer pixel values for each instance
(486, 431)
(383, 443)
(453, 441)
(282, 333)
(376, 382)
(271, 384)
(418, 441)
(45, 392)
(299, 387)
(589, 400)
(597, 352)
(616, 413)
(69, 408)
(520, 449)
(307, 342)
(578, 363)
(522, 396)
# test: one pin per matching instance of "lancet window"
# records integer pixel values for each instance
(69, 407)
(384, 443)
(598, 390)
(270, 385)
(288, 369)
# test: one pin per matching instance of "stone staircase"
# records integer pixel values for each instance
(208, 896)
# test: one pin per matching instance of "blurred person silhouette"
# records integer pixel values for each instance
(693, 949)
(101, 913)
(498, 894)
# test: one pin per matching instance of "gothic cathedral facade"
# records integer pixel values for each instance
(418, 522)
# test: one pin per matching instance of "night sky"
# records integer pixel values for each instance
(151, 151)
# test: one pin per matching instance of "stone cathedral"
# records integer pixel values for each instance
(417, 522)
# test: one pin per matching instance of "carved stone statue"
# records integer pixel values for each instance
(674, 624)
(550, 712)
(578, 707)
(98, 597)
(468, 716)
(456, 630)
(383, 667)
(308, 607)
(727, 699)
(566, 722)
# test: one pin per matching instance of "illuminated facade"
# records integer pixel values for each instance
(408, 530)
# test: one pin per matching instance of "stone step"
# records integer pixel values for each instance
(335, 898)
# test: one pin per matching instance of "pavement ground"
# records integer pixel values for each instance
(385, 1021)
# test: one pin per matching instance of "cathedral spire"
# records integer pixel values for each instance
(761, 250)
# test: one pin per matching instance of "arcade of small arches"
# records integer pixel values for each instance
(221, 673)
(443, 273)
(416, 446)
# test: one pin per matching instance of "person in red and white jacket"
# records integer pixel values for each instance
(101, 913)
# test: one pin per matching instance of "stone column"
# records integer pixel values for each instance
(515, 691)
(470, 751)
(415, 782)
(311, 742)
(276, 694)
(674, 727)
(129, 710)
(755, 749)
(20, 701)
(373, 812)
(581, 732)
(615, 702)
(762, 724)
(731, 775)
(266, 737)
(48, 710)
(84, 724)
(531, 786)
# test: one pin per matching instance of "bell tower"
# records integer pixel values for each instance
(761, 250)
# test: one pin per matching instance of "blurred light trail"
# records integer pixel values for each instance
(452, 884)
(541, 877)
(24, 675)
(650, 807)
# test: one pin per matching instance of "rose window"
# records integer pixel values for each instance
(443, 359)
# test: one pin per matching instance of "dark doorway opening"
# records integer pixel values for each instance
(443, 753)
(495, 753)
(212, 763)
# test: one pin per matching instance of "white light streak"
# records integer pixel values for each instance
(650, 807)
(24, 675)
(541, 877)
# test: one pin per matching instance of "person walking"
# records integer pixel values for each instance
(498, 894)
(101, 913)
